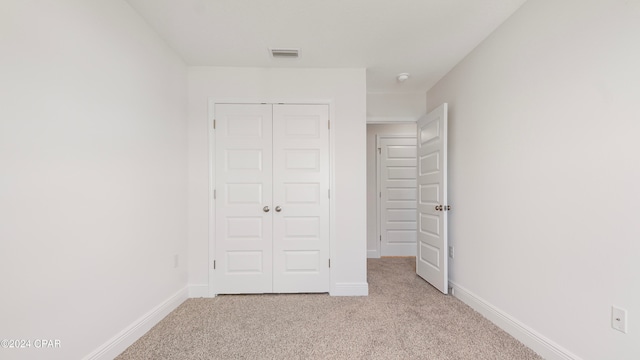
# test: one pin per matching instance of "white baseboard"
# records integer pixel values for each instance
(534, 340)
(373, 254)
(133, 332)
(198, 290)
(350, 289)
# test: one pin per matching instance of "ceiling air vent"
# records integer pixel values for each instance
(285, 53)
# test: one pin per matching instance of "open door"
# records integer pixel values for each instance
(432, 252)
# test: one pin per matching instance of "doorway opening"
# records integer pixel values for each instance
(429, 168)
(395, 237)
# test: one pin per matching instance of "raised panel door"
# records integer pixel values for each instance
(431, 259)
(300, 198)
(398, 195)
(243, 230)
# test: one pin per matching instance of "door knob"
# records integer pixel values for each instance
(265, 209)
(278, 209)
(438, 207)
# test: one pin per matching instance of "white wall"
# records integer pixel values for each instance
(93, 173)
(372, 193)
(545, 172)
(395, 107)
(346, 89)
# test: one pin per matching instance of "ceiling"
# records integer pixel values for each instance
(425, 38)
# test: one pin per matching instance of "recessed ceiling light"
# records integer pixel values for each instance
(290, 53)
(402, 77)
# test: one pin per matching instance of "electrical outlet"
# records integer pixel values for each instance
(176, 260)
(451, 249)
(619, 319)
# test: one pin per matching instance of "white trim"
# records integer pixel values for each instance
(350, 289)
(534, 340)
(378, 198)
(213, 101)
(119, 343)
(391, 120)
(198, 290)
(212, 206)
(332, 187)
(212, 166)
(373, 254)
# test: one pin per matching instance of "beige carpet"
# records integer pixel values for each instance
(402, 318)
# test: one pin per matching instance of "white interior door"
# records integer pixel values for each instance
(243, 185)
(301, 198)
(431, 260)
(398, 195)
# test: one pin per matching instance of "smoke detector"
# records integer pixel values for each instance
(288, 53)
(402, 77)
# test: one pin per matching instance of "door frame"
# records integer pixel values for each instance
(379, 184)
(212, 176)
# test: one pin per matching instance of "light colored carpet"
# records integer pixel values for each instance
(402, 318)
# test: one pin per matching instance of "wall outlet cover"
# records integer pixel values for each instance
(619, 319)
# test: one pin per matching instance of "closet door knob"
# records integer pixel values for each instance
(265, 209)
(278, 209)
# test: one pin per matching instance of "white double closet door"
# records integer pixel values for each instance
(271, 198)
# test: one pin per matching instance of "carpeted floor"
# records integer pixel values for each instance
(402, 318)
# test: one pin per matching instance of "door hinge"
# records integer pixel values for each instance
(329, 124)
(379, 150)
(214, 194)
(214, 123)
(214, 264)
(329, 262)
(380, 194)
(380, 238)
(329, 193)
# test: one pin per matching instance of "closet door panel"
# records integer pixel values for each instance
(300, 193)
(243, 229)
